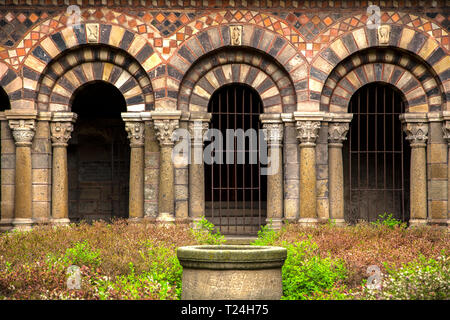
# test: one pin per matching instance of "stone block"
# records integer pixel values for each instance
(7, 176)
(41, 146)
(181, 176)
(292, 171)
(41, 161)
(151, 192)
(291, 189)
(150, 209)
(7, 146)
(8, 161)
(151, 176)
(41, 192)
(438, 170)
(437, 153)
(437, 190)
(291, 208)
(438, 209)
(322, 188)
(181, 209)
(41, 209)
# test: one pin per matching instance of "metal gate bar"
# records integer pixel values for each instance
(372, 194)
(235, 201)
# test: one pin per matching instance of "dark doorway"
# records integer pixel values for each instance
(4, 105)
(236, 193)
(98, 154)
(376, 156)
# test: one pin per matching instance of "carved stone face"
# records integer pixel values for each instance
(235, 32)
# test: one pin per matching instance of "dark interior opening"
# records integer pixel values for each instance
(98, 154)
(4, 105)
(376, 156)
(236, 193)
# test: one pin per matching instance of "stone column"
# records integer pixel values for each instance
(23, 128)
(416, 130)
(273, 135)
(308, 129)
(135, 128)
(198, 125)
(446, 132)
(61, 128)
(337, 132)
(165, 124)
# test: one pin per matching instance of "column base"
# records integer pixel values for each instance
(308, 221)
(134, 220)
(439, 222)
(339, 222)
(22, 224)
(417, 222)
(276, 224)
(165, 218)
(6, 225)
(61, 222)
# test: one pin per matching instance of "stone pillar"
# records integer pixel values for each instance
(165, 124)
(446, 132)
(273, 135)
(337, 132)
(308, 129)
(416, 130)
(135, 128)
(198, 125)
(23, 128)
(61, 127)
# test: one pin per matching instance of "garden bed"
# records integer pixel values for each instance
(138, 261)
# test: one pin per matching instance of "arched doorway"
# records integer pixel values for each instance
(4, 105)
(98, 154)
(235, 191)
(376, 156)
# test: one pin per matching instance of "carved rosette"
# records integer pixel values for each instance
(446, 130)
(23, 131)
(197, 130)
(61, 133)
(273, 133)
(337, 132)
(135, 130)
(308, 131)
(164, 131)
(416, 133)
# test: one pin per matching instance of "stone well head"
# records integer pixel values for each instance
(231, 272)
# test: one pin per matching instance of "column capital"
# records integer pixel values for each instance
(337, 132)
(136, 131)
(308, 131)
(446, 126)
(197, 129)
(415, 126)
(273, 133)
(23, 131)
(164, 129)
(61, 127)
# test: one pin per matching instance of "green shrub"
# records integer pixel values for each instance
(389, 221)
(266, 236)
(422, 279)
(81, 254)
(205, 232)
(306, 275)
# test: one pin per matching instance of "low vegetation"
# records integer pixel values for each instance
(121, 260)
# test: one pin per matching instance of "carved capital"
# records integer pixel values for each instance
(446, 130)
(197, 130)
(164, 129)
(135, 130)
(61, 133)
(308, 131)
(416, 133)
(273, 133)
(23, 131)
(337, 132)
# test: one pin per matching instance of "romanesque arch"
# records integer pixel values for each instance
(84, 64)
(406, 47)
(281, 66)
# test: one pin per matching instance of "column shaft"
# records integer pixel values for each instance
(275, 189)
(336, 182)
(23, 195)
(60, 184)
(136, 200)
(166, 186)
(308, 182)
(418, 187)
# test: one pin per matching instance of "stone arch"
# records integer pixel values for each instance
(239, 65)
(420, 53)
(10, 83)
(262, 49)
(63, 75)
(420, 86)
